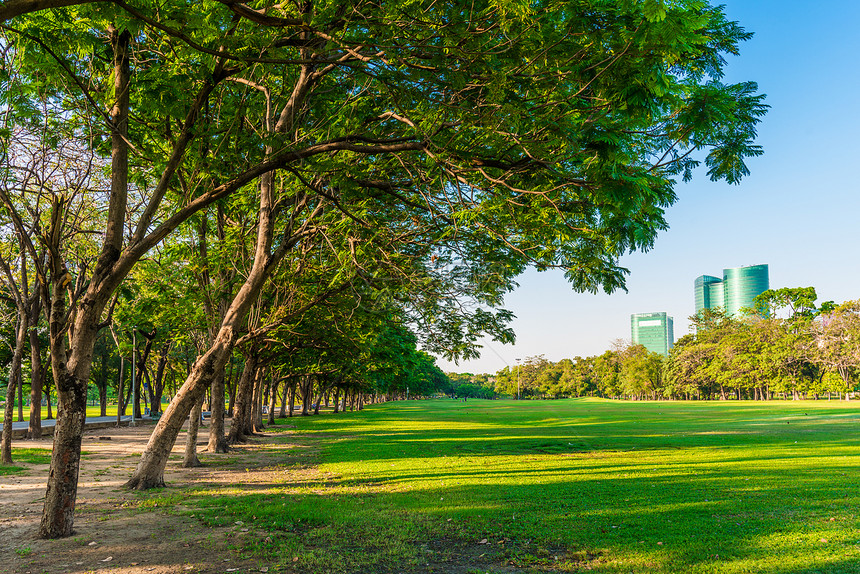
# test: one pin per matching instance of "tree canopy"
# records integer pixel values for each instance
(428, 151)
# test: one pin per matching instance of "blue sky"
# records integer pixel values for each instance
(799, 210)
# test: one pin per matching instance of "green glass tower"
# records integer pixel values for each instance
(742, 285)
(737, 289)
(707, 289)
(654, 331)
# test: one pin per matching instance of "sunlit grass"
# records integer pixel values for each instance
(565, 485)
(92, 411)
(28, 456)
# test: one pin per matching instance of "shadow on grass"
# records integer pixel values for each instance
(607, 526)
(609, 487)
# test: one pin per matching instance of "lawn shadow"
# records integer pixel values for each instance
(584, 486)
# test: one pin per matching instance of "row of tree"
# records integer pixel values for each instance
(303, 183)
(786, 347)
(388, 365)
(808, 352)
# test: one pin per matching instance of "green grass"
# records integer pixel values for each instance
(92, 411)
(27, 455)
(570, 485)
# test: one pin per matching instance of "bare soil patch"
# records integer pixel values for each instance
(112, 534)
(128, 532)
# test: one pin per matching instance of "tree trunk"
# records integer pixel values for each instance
(231, 397)
(35, 429)
(20, 386)
(293, 385)
(324, 388)
(120, 402)
(126, 401)
(266, 388)
(58, 514)
(136, 413)
(8, 413)
(190, 460)
(244, 397)
(158, 384)
(150, 470)
(143, 374)
(256, 410)
(307, 396)
(102, 400)
(21, 337)
(146, 388)
(273, 401)
(336, 400)
(217, 438)
(283, 412)
(47, 392)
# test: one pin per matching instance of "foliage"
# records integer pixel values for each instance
(467, 385)
(813, 351)
(477, 139)
(554, 147)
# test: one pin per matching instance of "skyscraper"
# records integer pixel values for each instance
(709, 292)
(652, 330)
(737, 289)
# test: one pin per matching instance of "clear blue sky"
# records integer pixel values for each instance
(799, 210)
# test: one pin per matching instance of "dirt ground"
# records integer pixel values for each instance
(110, 536)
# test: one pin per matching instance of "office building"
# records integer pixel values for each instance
(735, 291)
(652, 330)
(709, 292)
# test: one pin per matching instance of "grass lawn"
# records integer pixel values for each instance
(573, 485)
(27, 455)
(92, 411)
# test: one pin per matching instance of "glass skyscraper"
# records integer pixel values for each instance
(652, 330)
(709, 292)
(737, 289)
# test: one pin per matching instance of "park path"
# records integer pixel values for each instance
(19, 428)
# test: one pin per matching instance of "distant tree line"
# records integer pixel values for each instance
(784, 348)
(469, 386)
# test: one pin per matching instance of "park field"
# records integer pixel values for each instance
(567, 486)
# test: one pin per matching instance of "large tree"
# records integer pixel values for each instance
(546, 134)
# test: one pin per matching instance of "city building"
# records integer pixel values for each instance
(735, 291)
(709, 292)
(652, 330)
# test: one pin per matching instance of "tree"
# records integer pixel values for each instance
(681, 368)
(836, 345)
(798, 301)
(565, 159)
(640, 371)
(606, 374)
(506, 381)
(19, 288)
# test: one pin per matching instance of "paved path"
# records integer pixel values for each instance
(23, 425)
